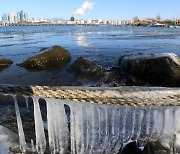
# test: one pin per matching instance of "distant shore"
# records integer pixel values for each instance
(4, 24)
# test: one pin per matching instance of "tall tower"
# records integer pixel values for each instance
(18, 17)
(25, 16)
(22, 16)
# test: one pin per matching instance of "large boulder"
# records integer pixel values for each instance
(53, 57)
(83, 66)
(153, 69)
(5, 63)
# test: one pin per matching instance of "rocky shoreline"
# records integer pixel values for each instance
(138, 69)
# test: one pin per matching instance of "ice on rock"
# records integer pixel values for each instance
(95, 128)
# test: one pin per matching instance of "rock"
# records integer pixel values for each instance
(85, 67)
(131, 148)
(115, 78)
(111, 78)
(5, 63)
(53, 57)
(156, 147)
(153, 69)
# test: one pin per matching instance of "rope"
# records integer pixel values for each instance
(129, 96)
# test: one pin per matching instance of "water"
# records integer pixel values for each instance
(102, 44)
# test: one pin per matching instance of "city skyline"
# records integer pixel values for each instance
(14, 17)
(100, 9)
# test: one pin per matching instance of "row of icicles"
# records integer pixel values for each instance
(95, 128)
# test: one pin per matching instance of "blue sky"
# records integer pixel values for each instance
(103, 9)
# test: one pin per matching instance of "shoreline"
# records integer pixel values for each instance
(60, 24)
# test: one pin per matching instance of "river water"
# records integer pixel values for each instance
(102, 44)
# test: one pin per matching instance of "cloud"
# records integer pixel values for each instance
(84, 7)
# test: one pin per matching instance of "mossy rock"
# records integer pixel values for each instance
(5, 63)
(53, 57)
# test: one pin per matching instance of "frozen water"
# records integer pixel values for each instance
(95, 128)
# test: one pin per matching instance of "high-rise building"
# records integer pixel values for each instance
(12, 17)
(22, 16)
(15, 17)
(25, 16)
(5, 17)
(18, 17)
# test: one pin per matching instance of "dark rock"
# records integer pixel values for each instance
(115, 78)
(85, 67)
(131, 148)
(129, 80)
(155, 147)
(50, 58)
(111, 78)
(153, 69)
(5, 63)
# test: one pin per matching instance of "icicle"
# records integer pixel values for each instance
(103, 126)
(137, 124)
(168, 129)
(151, 121)
(122, 129)
(57, 126)
(159, 123)
(26, 100)
(114, 129)
(80, 139)
(129, 126)
(72, 129)
(117, 123)
(32, 146)
(95, 128)
(177, 129)
(39, 129)
(143, 138)
(22, 141)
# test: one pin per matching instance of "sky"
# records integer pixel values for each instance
(103, 9)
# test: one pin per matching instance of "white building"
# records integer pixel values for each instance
(12, 17)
